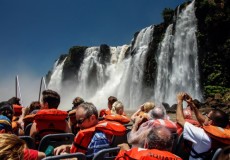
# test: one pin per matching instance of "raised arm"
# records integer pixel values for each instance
(200, 118)
(136, 113)
(179, 111)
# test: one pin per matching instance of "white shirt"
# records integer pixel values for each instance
(201, 141)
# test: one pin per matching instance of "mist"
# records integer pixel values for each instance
(29, 88)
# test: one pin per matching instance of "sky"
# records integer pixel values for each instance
(33, 34)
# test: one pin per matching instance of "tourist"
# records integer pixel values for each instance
(5, 125)
(91, 142)
(156, 117)
(143, 110)
(201, 138)
(49, 118)
(29, 113)
(76, 102)
(6, 109)
(117, 114)
(157, 143)
(107, 111)
(72, 118)
(14, 148)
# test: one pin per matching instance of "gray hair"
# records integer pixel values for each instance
(158, 112)
(159, 138)
(89, 108)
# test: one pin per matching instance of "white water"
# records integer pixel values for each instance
(130, 89)
(122, 77)
(56, 77)
(178, 63)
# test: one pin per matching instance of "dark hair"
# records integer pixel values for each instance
(89, 108)
(112, 99)
(35, 105)
(77, 101)
(51, 97)
(160, 138)
(6, 109)
(219, 118)
(14, 100)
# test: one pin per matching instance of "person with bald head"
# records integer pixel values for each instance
(157, 143)
(156, 117)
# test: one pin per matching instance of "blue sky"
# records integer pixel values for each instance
(33, 34)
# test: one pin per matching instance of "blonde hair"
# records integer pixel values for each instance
(11, 147)
(148, 106)
(116, 107)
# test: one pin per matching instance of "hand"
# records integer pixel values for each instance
(142, 107)
(188, 98)
(180, 97)
(61, 149)
(124, 146)
(138, 119)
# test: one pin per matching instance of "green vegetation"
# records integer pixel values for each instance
(214, 44)
(212, 90)
(168, 15)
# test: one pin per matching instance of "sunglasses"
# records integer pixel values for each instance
(208, 116)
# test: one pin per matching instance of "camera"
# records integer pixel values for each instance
(186, 97)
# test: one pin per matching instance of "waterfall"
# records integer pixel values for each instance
(96, 81)
(122, 75)
(164, 66)
(130, 89)
(178, 61)
(87, 83)
(56, 77)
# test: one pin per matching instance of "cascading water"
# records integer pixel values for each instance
(178, 63)
(56, 77)
(164, 66)
(130, 89)
(122, 76)
(86, 85)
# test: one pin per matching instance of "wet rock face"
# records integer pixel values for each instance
(104, 54)
(73, 62)
(211, 102)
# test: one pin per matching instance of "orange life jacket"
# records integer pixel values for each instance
(141, 154)
(50, 121)
(220, 134)
(15, 125)
(104, 112)
(118, 118)
(165, 122)
(83, 137)
(28, 119)
(17, 110)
